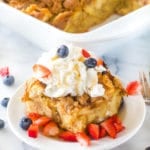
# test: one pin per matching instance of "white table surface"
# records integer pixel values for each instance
(125, 57)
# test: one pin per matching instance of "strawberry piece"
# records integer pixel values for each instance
(33, 116)
(85, 53)
(51, 129)
(4, 71)
(117, 123)
(83, 139)
(119, 127)
(99, 62)
(102, 132)
(33, 131)
(93, 130)
(116, 119)
(68, 136)
(132, 88)
(108, 125)
(113, 125)
(42, 121)
(41, 70)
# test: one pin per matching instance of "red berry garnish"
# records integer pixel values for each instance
(68, 136)
(93, 130)
(132, 88)
(33, 131)
(99, 62)
(4, 71)
(85, 53)
(41, 70)
(83, 139)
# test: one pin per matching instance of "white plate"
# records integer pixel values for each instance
(130, 115)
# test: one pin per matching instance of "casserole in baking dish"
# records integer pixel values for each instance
(47, 36)
(76, 16)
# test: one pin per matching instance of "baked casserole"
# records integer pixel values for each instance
(76, 16)
(74, 90)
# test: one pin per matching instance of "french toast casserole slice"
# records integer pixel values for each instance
(74, 113)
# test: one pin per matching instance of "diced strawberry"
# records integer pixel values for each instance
(113, 125)
(117, 123)
(83, 139)
(42, 121)
(85, 53)
(109, 127)
(102, 132)
(93, 130)
(132, 88)
(4, 71)
(33, 116)
(68, 136)
(99, 62)
(119, 127)
(33, 131)
(41, 70)
(51, 129)
(115, 119)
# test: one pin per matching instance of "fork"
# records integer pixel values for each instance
(145, 86)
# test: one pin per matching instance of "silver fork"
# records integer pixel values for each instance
(145, 86)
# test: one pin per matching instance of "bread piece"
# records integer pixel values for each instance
(126, 6)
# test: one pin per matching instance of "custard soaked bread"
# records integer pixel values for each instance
(74, 90)
(127, 6)
(76, 15)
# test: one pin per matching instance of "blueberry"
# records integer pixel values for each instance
(90, 62)
(63, 51)
(5, 101)
(25, 123)
(2, 123)
(8, 80)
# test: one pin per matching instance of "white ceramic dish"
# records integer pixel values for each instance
(46, 36)
(131, 119)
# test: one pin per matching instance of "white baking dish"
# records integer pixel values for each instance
(47, 36)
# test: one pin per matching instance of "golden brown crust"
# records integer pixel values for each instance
(74, 113)
(127, 6)
(61, 19)
(74, 15)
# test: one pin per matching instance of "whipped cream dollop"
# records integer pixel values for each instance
(69, 75)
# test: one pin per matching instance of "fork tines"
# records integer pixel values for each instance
(145, 86)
